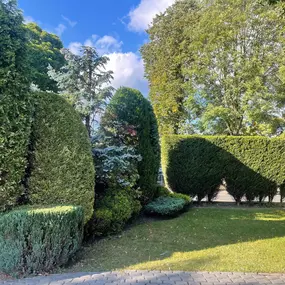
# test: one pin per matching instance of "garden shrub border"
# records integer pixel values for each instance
(34, 240)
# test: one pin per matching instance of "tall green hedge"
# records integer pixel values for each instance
(62, 169)
(14, 103)
(130, 120)
(37, 240)
(251, 166)
(15, 125)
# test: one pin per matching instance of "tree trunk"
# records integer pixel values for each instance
(88, 126)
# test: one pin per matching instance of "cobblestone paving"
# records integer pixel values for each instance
(153, 277)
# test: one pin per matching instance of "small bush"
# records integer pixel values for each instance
(36, 240)
(113, 212)
(164, 192)
(161, 191)
(166, 206)
(62, 169)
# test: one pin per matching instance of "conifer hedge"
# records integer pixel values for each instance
(15, 126)
(62, 168)
(251, 166)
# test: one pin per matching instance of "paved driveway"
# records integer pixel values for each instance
(154, 277)
(224, 196)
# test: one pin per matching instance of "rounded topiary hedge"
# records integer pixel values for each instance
(61, 164)
(130, 120)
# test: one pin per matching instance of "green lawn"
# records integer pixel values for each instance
(206, 239)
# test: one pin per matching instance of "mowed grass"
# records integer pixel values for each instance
(203, 239)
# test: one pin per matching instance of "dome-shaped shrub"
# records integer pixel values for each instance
(62, 169)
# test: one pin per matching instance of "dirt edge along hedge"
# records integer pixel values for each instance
(252, 166)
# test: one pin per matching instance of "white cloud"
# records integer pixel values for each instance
(104, 45)
(29, 19)
(75, 47)
(128, 67)
(141, 17)
(128, 71)
(60, 29)
(70, 22)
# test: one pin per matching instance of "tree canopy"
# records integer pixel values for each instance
(85, 83)
(13, 60)
(43, 49)
(222, 64)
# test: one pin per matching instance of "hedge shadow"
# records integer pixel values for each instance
(197, 166)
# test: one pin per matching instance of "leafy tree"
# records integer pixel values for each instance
(229, 58)
(164, 58)
(129, 121)
(234, 81)
(13, 63)
(84, 82)
(43, 50)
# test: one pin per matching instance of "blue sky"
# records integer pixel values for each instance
(115, 27)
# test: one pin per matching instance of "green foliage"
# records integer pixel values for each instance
(218, 68)
(15, 108)
(43, 49)
(163, 57)
(116, 167)
(81, 82)
(114, 210)
(15, 127)
(166, 206)
(129, 120)
(13, 61)
(36, 240)
(161, 191)
(116, 179)
(164, 192)
(62, 166)
(251, 166)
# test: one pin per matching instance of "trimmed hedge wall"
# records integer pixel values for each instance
(62, 169)
(37, 240)
(15, 126)
(251, 166)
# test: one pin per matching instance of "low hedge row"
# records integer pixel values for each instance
(251, 166)
(38, 239)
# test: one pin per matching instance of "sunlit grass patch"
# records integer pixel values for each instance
(207, 239)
